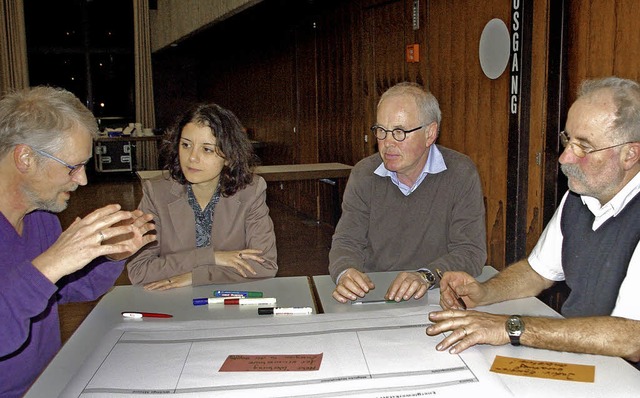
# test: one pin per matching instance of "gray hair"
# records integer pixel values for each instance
(426, 102)
(42, 117)
(626, 98)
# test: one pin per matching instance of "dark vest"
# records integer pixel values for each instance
(595, 262)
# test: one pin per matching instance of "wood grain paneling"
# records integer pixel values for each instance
(339, 106)
(603, 40)
(383, 55)
(474, 108)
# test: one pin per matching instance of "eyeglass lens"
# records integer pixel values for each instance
(397, 134)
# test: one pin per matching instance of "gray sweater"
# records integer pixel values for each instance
(439, 225)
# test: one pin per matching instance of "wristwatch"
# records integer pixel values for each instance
(515, 327)
(428, 277)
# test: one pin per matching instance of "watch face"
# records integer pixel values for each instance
(428, 276)
(514, 326)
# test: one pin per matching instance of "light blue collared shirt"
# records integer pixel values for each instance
(435, 164)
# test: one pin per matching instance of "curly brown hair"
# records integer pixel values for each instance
(231, 138)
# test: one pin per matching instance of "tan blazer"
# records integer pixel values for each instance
(239, 222)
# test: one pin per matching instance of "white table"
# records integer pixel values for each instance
(614, 376)
(289, 292)
(325, 286)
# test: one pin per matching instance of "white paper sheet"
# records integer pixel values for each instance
(374, 354)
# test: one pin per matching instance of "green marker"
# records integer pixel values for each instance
(236, 293)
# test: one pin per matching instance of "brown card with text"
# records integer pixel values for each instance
(271, 363)
(543, 369)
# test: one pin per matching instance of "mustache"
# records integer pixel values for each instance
(571, 170)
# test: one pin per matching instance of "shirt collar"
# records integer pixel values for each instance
(617, 203)
(435, 164)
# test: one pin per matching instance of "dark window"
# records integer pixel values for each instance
(86, 47)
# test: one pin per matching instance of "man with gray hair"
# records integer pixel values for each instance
(591, 243)
(415, 207)
(46, 139)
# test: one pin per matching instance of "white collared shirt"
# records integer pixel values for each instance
(546, 257)
(435, 164)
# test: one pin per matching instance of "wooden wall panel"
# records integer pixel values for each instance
(627, 55)
(474, 108)
(383, 55)
(339, 84)
(603, 40)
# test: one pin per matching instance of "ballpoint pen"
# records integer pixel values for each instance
(138, 315)
(458, 298)
(374, 302)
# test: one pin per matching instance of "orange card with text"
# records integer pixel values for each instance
(543, 369)
(271, 363)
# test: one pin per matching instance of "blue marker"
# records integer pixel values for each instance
(236, 293)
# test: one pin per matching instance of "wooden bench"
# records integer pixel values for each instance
(324, 172)
(286, 172)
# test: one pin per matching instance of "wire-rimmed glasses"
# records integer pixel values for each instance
(580, 150)
(73, 169)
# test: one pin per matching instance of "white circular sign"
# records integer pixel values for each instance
(494, 48)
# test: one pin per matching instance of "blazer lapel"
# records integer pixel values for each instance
(182, 217)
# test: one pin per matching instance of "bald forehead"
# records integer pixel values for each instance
(594, 113)
(598, 106)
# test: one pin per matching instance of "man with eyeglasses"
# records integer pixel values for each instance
(415, 207)
(591, 242)
(46, 139)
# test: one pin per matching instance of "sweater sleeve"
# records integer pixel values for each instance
(466, 248)
(350, 236)
(90, 282)
(24, 294)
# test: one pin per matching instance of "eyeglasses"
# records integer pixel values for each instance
(581, 151)
(73, 170)
(398, 134)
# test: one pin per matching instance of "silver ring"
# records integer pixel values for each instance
(464, 331)
(101, 236)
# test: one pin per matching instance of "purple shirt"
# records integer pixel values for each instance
(30, 327)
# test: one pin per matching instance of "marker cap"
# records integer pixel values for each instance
(200, 301)
(265, 311)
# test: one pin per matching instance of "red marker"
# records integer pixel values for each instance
(138, 315)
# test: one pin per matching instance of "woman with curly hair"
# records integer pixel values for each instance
(212, 220)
